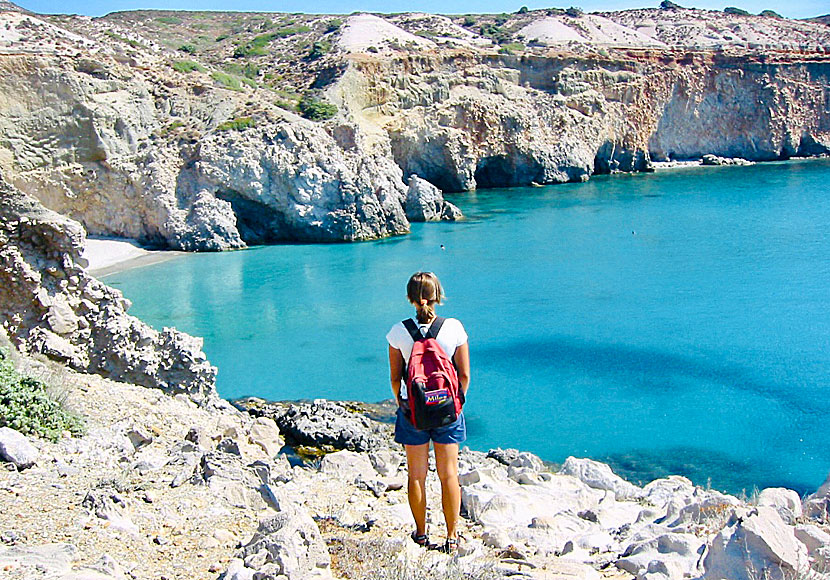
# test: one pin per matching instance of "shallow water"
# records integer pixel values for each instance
(667, 323)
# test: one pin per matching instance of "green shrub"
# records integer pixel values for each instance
(169, 20)
(511, 47)
(669, 5)
(227, 81)
(238, 124)
(188, 48)
(26, 405)
(221, 37)
(333, 25)
(495, 32)
(287, 31)
(574, 12)
(187, 66)
(469, 21)
(523, 10)
(315, 109)
(249, 69)
(736, 11)
(770, 14)
(319, 49)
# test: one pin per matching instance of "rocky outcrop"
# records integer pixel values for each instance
(159, 483)
(463, 121)
(426, 203)
(101, 128)
(51, 306)
(710, 159)
(293, 181)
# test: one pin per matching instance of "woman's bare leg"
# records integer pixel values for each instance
(417, 463)
(446, 462)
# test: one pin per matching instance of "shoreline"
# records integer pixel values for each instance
(106, 255)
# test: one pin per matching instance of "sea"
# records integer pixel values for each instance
(676, 322)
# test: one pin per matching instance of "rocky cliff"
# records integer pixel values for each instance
(49, 305)
(181, 129)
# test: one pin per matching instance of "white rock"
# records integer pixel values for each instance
(665, 557)
(599, 476)
(55, 558)
(16, 448)
(348, 466)
(495, 538)
(755, 544)
(385, 461)
(265, 433)
(238, 571)
(785, 501)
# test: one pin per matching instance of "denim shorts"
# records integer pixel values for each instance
(406, 433)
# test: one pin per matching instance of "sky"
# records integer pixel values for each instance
(791, 9)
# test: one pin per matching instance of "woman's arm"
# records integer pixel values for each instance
(461, 358)
(395, 371)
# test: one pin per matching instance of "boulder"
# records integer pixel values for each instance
(16, 448)
(817, 505)
(425, 202)
(785, 501)
(665, 557)
(288, 544)
(755, 543)
(599, 476)
(348, 466)
(326, 423)
(710, 159)
(812, 536)
(265, 433)
(517, 459)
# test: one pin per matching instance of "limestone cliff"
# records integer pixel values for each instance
(50, 305)
(463, 121)
(180, 129)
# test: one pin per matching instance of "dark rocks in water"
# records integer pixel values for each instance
(322, 424)
(715, 160)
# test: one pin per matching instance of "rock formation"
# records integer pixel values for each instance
(51, 306)
(109, 126)
(159, 484)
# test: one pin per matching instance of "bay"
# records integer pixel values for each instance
(667, 323)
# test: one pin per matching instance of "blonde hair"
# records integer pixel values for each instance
(424, 291)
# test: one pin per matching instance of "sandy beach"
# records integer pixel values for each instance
(110, 255)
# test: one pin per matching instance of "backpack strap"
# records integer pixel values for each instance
(435, 327)
(413, 329)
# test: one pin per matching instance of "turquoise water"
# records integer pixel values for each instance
(667, 323)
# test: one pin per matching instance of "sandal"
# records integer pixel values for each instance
(420, 539)
(450, 546)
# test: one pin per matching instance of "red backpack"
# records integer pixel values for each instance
(435, 398)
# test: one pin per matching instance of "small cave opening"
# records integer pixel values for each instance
(256, 222)
(497, 171)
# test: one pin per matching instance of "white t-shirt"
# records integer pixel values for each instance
(451, 336)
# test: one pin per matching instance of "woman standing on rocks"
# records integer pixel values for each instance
(424, 292)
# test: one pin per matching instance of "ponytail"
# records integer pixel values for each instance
(424, 291)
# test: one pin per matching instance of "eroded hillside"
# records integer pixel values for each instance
(208, 131)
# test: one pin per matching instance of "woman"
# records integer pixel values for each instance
(424, 292)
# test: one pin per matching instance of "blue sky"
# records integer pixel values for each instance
(792, 9)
